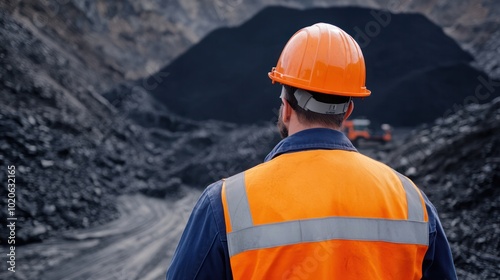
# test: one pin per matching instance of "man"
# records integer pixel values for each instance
(316, 208)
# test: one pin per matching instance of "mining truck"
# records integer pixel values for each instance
(360, 131)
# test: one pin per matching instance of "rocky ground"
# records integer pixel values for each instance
(75, 151)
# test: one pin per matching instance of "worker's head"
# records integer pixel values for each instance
(321, 68)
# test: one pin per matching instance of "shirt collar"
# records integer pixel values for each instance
(312, 139)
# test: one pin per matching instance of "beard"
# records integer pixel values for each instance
(283, 130)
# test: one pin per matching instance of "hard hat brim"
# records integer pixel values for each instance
(294, 82)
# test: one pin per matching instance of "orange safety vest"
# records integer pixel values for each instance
(324, 214)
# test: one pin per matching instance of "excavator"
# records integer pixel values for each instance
(359, 131)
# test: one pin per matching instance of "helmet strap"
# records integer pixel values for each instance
(307, 102)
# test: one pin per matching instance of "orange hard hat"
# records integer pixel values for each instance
(322, 58)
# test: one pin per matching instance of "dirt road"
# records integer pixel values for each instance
(139, 245)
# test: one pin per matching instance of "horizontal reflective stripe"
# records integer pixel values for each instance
(415, 209)
(237, 202)
(332, 228)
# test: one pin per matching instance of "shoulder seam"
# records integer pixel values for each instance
(215, 216)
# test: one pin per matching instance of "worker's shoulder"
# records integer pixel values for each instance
(379, 167)
(210, 198)
(372, 161)
(213, 190)
(210, 204)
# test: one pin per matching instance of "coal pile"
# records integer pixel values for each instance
(456, 161)
(409, 61)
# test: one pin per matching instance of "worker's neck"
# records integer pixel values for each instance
(295, 126)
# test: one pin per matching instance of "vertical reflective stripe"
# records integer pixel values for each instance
(415, 209)
(237, 202)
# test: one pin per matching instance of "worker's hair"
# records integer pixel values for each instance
(310, 117)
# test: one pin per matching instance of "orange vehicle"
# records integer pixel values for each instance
(359, 130)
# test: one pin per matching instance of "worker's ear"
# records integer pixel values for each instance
(287, 111)
(349, 110)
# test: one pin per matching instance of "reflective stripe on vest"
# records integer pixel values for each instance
(245, 236)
